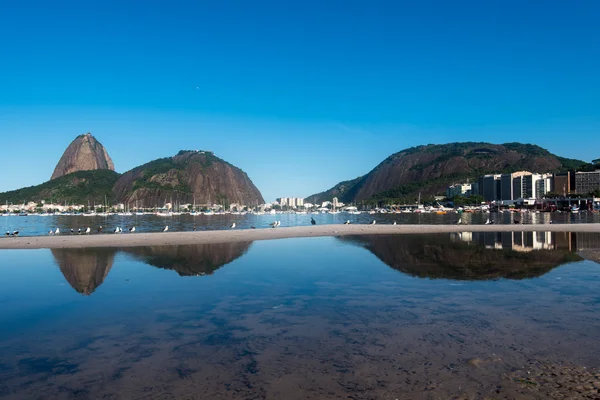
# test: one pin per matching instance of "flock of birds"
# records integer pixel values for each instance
(273, 224)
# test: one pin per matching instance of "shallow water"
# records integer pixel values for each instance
(363, 317)
(34, 225)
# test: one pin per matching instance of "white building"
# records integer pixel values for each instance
(458, 189)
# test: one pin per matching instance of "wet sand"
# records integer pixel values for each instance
(224, 236)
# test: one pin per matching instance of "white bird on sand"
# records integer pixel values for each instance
(278, 223)
(72, 231)
(88, 230)
(232, 226)
(79, 231)
(15, 233)
(57, 231)
(347, 222)
(132, 229)
(50, 232)
(373, 222)
(488, 222)
(394, 223)
(166, 228)
(7, 233)
(459, 221)
(117, 230)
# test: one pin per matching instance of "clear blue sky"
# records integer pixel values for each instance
(299, 94)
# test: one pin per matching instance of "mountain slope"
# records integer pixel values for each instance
(184, 178)
(430, 169)
(338, 191)
(84, 153)
(77, 188)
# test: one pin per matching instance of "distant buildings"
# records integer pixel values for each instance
(527, 185)
(291, 202)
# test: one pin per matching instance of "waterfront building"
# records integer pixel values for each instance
(459, 189)
(587, 182)
(563, 183)
(490, 187)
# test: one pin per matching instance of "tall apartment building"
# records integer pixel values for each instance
(564, 183)
(587, 182)
(490, 187)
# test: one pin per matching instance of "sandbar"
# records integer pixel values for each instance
(238, 235)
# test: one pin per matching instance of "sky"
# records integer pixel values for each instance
(298, 94)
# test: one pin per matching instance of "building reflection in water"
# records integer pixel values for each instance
(529, 241)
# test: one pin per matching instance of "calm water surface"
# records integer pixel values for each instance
(34, 225)
(507, 315)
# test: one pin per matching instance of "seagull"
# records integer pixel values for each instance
(394, 223)
(373, 222)
(273, 224)
(194, 227)
(116, 230)
(79, 231)
(278, 223)
(166, 228)
(232, 226)
(15, 233)
(7, 233)
(88, 230)
(57, 232)
(50, 232)
(312, 221)
(347, 222)
(488, 222)
(132, 229)
(72, 231)
(459, 221)
(100, 229)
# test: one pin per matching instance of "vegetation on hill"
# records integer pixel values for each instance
(338, 191)
(80, 187)
(429, 169)
(190, 176)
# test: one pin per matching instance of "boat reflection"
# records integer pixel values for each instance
(477, 255)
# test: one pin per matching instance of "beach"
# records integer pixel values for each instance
(233, 235)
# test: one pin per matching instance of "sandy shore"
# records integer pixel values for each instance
(223, 236)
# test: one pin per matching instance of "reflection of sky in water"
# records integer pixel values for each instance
(283, 316)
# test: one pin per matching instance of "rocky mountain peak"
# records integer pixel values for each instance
(85, 153)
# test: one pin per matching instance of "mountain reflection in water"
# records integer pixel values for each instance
(86, 269)
(477, 255)
(190, 260)
(461, 256)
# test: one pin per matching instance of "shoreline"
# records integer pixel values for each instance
(250, 235)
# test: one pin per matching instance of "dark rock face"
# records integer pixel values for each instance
(84, 153)
(429, 169)
(84, 270)
(190, 176)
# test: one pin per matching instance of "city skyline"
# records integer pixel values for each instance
(297, 109)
